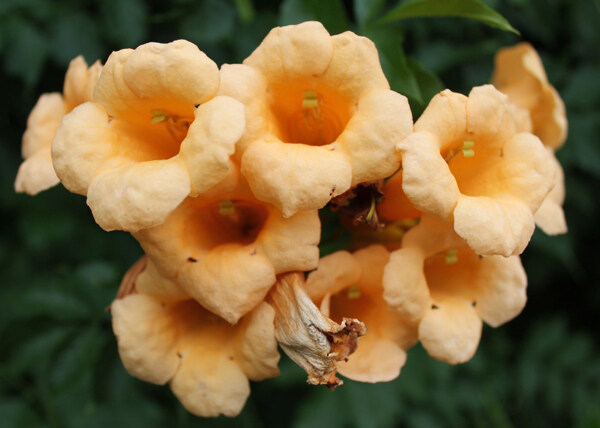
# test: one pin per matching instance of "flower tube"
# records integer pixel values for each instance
(36, 172)
(468, 163)
(320, 116)
(154, 135)
(440, 283)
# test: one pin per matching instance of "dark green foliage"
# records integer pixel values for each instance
(59, 364)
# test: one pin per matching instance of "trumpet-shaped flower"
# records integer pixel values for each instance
(437, 281)
(468, 163)
(520, 74)
(320, 116)
(153, 135)
(206, 361)
(225, 249)
(36, 172)
(350, 285)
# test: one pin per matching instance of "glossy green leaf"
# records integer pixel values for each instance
(470, 9)
(125, 22)
(366, 10)
(330, 13)
(209, 22)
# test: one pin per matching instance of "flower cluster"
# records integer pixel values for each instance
(219, 174)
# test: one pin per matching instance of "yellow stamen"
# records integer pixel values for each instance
(353, 292)
(226, 207)
(467, 149)
(452, 256)
(158, 116)
(311, 99)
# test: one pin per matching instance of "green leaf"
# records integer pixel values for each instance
(17, 414)
(245, 10)
(210, 22)
(41, 347)
(470, 9)
(366, 10)
(330, 13)
(429, 85)
(26, 52)
(125, 22)
(394, 62)
(73, 34)
(79, 358)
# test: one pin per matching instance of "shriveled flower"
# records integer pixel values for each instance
(520, 74)
(350, 285)
(320, 116)
(225, 249)
(36, 172)
(207, 362)
(437, 281)
(468, 164)
(153, 135)
(311, 339)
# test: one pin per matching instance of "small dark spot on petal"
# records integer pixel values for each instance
(230, 358)
(253, 253)
(197, 105)
(192, 260)
(179, 355)
(474, 303)
(435, 307)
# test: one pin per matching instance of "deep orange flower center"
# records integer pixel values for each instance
(224, 222)
(309, 114)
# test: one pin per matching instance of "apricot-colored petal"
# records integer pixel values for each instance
(36, 173)
(382, 120)
(372, 261)
(173, 77)
(211, 140)
(146, 336)
(528, 171)
(450, 330)
(248, 86)
(210, 382)
(499, 225)
(151, 282)
(395, 204)
(427, 180)
(501, 289)
(291, 243)
(229, 281)
(404, 283)
(375, 360)
(42, 123)
(520, 74)
(293, 51)
(295, 177)
(354, 66)
(335, 272)
(136, 195)
(489, 116)
(80, 82)
(83, 143)
(432, 235)
(550, 216)
(446, 117)
(255, 344)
